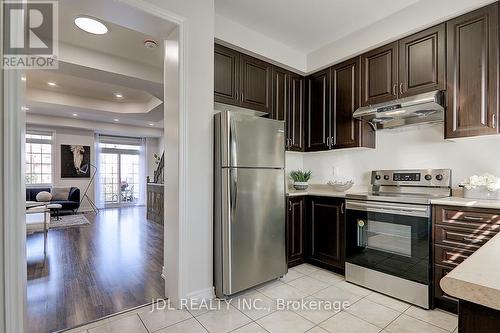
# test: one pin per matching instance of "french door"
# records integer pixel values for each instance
(120, 178)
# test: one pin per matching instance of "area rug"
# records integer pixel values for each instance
(68, 221)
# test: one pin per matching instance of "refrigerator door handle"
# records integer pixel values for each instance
(234, 191)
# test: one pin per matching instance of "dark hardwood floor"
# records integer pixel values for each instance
(93, 271)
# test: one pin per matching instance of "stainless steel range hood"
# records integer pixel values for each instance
(422, 108)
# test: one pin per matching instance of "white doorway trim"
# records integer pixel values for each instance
(13, 253)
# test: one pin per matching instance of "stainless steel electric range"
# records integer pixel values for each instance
(388, 233)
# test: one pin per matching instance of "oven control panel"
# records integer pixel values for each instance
(420, 177)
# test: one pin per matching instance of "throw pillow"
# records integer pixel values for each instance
(43, 196)
(60, 193)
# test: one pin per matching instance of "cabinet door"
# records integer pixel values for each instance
(295, 117)
(327, 231)
(318, 111)
(295, 230)
(422, 59)
(281, 93)
(226, 75)
(379, 75)
(345, 100)
(472, 79)
(255, 84)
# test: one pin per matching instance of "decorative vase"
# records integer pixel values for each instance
(481, 192)
(301, 185)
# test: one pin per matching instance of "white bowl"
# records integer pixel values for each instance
(341, 186)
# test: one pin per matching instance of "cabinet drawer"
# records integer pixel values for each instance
(450, 256)
(467, 238)
(468, 218)
(439, 273)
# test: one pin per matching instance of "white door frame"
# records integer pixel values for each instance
(13, 254)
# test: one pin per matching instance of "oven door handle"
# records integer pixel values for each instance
(388, 208)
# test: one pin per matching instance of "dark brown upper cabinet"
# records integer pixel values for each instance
(295, 230)
(422, 59)
(472, 73)
(295, 116)
(326, 230)
(281, 93)
(318, 111)
(255, 84)
(226, 75)
(347, 131)
(379, 75)
(242, 80)
(288, 105)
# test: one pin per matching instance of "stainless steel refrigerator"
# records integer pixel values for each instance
(249, 212)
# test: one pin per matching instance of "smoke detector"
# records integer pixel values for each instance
(150, 44)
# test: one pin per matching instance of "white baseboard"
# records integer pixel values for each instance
(203, 294)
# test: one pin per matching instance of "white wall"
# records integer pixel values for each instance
(189, 205)
(422, 14)
(406, 148)
(64, 136)
(275, 51)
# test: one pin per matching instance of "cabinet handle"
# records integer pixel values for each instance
(401, 89)
(473, 240)
(342, 208)
(290, 205)
(472, 218)
(328, 142)
(394, 90)
(494, 121)
(242, 96)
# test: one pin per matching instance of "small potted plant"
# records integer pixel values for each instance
(300, 179)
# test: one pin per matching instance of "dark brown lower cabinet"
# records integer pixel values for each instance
(458, 232)
(295, 227)
(475, 318)
(326, 240)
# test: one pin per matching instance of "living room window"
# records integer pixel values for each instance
(39, 158)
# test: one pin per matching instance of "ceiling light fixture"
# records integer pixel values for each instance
(75, 114)
(151, 124)
(52, 84)
(25, 108)
(118, 95)
(91, 25)
(150, 44)
(116, 119)
(23, 78)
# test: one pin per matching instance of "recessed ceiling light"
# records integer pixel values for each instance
(91, 25)
(52, 84)
(116, 119)
(151, 124)
(25, 108)
(118, 95)
(23, 78)
(75, 114)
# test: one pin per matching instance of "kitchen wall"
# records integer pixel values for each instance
(405, 148)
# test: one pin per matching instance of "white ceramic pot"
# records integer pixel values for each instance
(301, 185)
(481, 192)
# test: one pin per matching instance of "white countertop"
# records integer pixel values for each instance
(463, 202)
(477, 279)
(323, 190)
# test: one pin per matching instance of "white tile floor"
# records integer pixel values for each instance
(367, 312)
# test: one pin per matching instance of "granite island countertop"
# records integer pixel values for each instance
(477, 278)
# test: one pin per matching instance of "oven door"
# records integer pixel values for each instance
(390, 238)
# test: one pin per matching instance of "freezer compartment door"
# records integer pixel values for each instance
(256, 228)
(249, 141)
